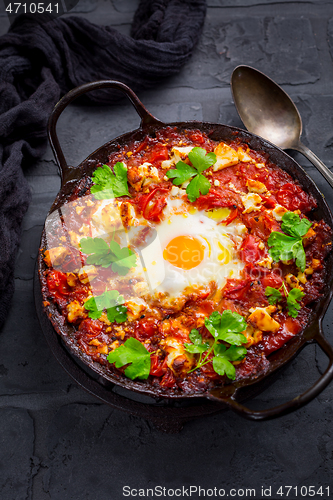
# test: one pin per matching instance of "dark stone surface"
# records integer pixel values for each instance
(59, 442)
(18, 465)
(264, 41)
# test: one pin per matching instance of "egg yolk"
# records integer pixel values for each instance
(224, 256)
(184, 252)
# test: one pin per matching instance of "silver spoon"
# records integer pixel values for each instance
(266, 110)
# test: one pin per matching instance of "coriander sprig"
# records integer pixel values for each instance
(100, 253)
(134, 354)
(293, 298)
(200, 160)
(108, 184)
(198, 346)
(112, 302)
(290, 246)
(225, 327)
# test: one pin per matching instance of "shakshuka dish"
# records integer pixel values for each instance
(184, 262)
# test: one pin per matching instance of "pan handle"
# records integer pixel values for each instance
(289, 406)
(146, 117)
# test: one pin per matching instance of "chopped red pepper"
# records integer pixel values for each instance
(158, 366)
(154, 203)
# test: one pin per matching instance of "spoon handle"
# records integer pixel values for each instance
(316, 162)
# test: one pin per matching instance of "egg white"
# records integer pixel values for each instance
(220, 259)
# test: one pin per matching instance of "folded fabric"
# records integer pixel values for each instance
(42, 59)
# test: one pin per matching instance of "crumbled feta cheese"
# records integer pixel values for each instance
(251, 202)
(293, 282)
(55, 256)
(177, 154)
(243, 156)
(174, 191)
(127, 213)
(78, 210)
(135, 308)
(233, 187)
(75, 311)
(278, 211)
(266, 262)
(256, 186)
(87, 273)
(142, 176)
(261, 318)
(182, 151)
(75, 238)
(225, 157)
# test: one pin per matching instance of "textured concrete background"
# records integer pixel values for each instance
(57, 441)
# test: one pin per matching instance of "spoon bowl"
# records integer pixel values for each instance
(267, 110)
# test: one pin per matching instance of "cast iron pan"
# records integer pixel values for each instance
(229, 395)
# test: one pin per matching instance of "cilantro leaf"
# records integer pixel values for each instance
(200, 160)
(222, 366)
(110, 300)
(290, 246)
(198, 346)
(91, 306)
(97, 247)
(293, 306)
(196, 349)
(199, 185)
(181, 173)
(223, 357)
(299, 254)
(219, 349)
(195, 337)
(273, 295)
(108, 184)
(117, 314)
(121, 259)
(236, 353)
(295, 226)
(227, 327)
(135, 354)
(124, 258)
(283, 247)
